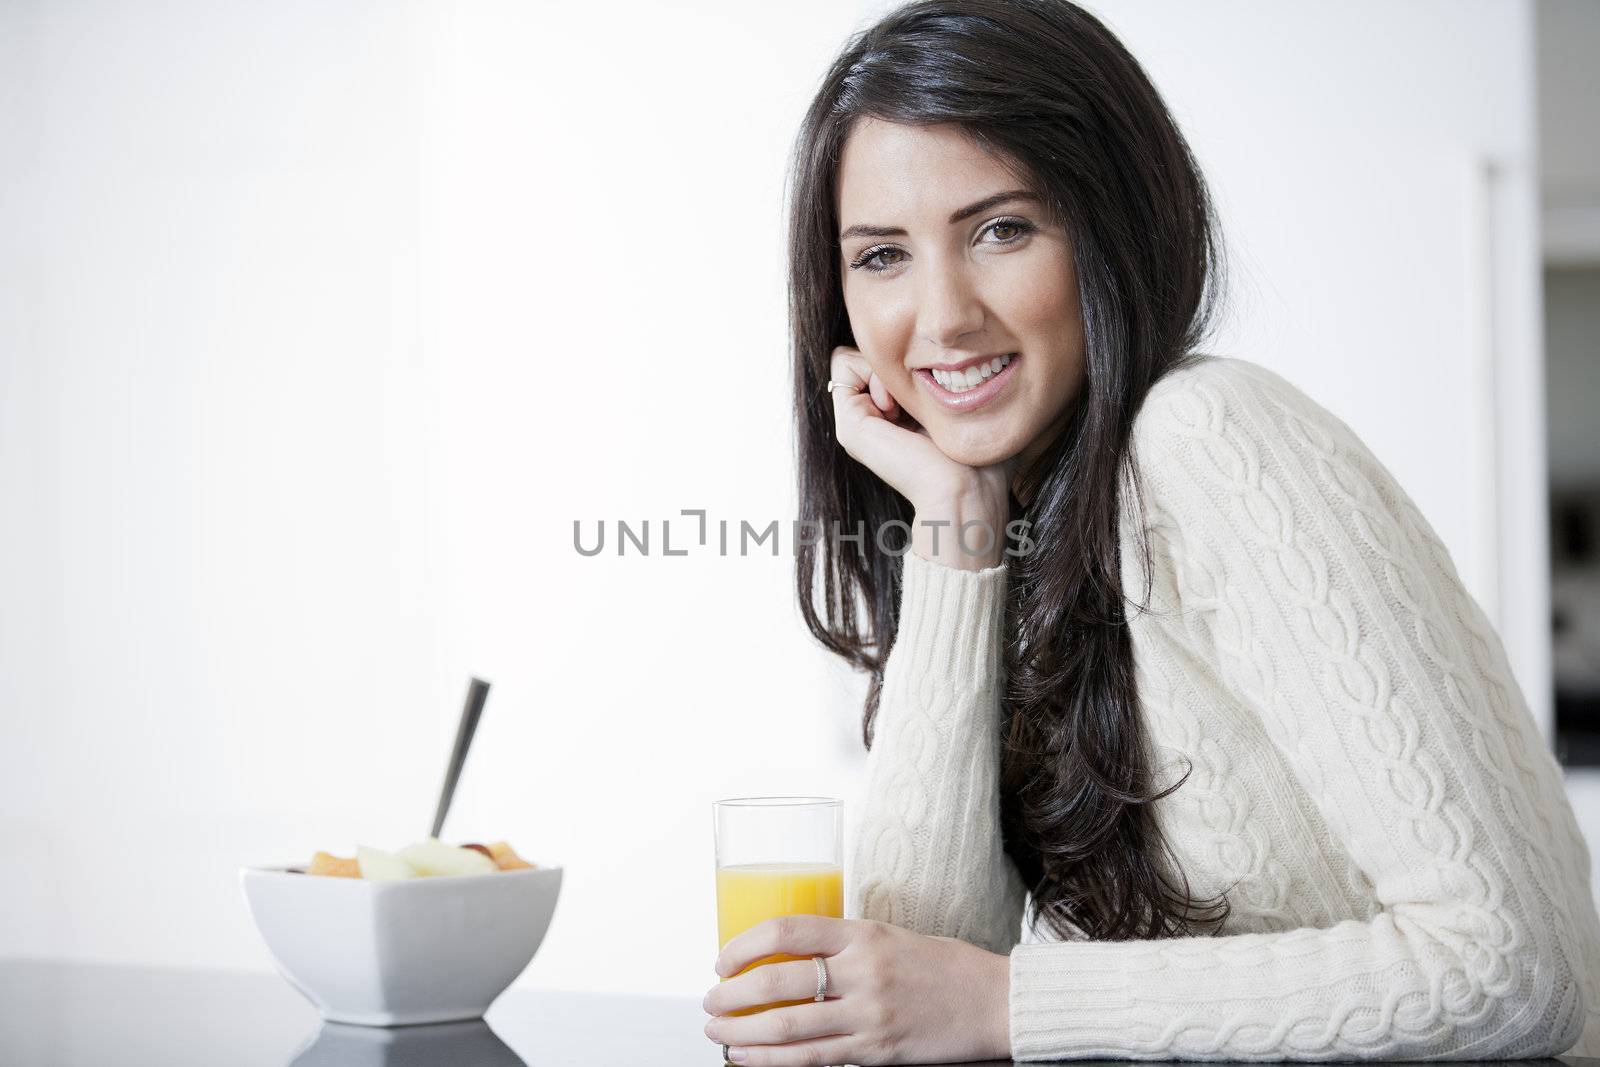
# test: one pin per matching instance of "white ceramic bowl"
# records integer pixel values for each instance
(417, 950)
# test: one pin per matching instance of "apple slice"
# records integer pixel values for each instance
(434, 858)
(380, 866)
(325, 863)
(506, 858)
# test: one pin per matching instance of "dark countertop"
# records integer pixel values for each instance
(55, 1014)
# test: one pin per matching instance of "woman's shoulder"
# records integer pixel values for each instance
(1239, 468)
(1229, 441)
(1234, 408)
(1227, 382)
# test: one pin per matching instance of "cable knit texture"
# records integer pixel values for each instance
(1406, 875)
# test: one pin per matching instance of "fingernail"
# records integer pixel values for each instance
(736, 1055)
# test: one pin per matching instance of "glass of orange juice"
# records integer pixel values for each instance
(777, 856)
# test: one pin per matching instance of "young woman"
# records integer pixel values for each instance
(1214, 697)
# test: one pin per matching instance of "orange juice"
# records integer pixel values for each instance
(749, 894)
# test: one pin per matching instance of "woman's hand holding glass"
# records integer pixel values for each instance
(893, 996)
(873, 429)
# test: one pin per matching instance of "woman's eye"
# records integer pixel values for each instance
(871, 255)
(1016, 227)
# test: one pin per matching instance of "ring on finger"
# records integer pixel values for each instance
(832, 384)
(822, 979)
(789, 982)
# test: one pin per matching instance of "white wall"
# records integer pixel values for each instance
(321, 323)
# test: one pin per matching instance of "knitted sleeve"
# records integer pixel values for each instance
(1310, 588)
(928, 853)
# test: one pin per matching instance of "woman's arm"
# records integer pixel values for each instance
(928, 853)
(1311, 588)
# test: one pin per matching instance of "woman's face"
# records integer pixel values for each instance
(944, 280)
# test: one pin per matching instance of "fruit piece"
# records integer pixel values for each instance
(506, 858)
(334, 866)
(479, 848)
(380, 866)
(434, 858)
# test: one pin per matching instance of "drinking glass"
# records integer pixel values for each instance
(776, 856)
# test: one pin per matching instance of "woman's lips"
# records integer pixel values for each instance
(975, 397)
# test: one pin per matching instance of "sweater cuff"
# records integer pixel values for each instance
(951, 620)
(1072, 998)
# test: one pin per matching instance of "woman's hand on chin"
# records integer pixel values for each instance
(893, 996)
(946, 496)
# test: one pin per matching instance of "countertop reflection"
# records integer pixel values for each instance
(55, 1014)
(77, 1014)
(337, 1045)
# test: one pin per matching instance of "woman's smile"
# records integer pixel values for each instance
(970, 384)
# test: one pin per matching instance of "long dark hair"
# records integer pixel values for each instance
(1044, 85)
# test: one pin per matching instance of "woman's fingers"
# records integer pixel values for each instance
(844, 1049)
(787, 935)
(770, 983)
(849, 367)
(779, 1026)
(851, 396)
(868, 424)
(880, 396)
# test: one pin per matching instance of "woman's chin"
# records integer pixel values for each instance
(973, 453)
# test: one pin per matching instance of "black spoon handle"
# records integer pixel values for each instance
(477, 693)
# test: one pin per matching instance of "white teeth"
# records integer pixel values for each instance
(959, 381)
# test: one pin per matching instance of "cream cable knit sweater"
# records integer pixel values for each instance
(1406, 875)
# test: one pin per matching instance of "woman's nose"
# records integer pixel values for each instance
(948, 307)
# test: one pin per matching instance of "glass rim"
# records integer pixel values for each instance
(777, 802)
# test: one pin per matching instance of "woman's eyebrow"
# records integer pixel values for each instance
(971, 209)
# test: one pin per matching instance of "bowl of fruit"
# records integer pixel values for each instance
(430, 933)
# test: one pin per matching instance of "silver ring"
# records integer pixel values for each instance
(832, 384)
(822, 978)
